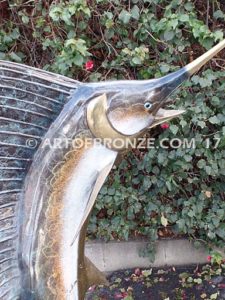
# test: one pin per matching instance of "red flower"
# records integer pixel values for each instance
(209, 257)
(118, 296)
(121, 295)
(89, 65)
(125, 294)
(165, 125)
(137, 272)
(184, 296)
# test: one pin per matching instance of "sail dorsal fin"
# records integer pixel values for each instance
(30, 100)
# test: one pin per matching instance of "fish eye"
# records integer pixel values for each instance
(148, 105)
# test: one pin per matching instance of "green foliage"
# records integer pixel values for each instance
(73, 54)
(177, 190)
(181, 187)
(217, 258)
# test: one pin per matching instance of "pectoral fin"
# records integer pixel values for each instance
(98, 184)
(88, 273)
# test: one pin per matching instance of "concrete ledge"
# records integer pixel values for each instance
(113, 256)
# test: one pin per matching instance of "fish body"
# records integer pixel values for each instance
(52, 169)
(62, 197)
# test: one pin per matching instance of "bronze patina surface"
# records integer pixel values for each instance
(51, 169)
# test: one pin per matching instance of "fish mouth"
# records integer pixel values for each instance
(164, 115)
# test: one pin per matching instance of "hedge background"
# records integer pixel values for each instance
(160, 192)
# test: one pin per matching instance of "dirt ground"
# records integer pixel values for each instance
(205, 282)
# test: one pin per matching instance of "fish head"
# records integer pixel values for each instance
(138, 106)
(129, 108)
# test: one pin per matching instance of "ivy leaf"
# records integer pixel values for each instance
(183, 123)
(55, 13)
(208, 170)
(169, 35)
(201, 124)
(218, 35)
(181, 224)
(136, 60)
(161, 157)
(173, 23)
(191, 213)
(215, 101)
(218, 15)
(184, 18)
(201, 163)
(204, 82)
(135, 12)
(174, 129)
(164, 68)
(78, 60)
(2, 55)
(111, 191)
(208, 43)
(15, 57)
(188, 6)
(188, 158)
(195, 79)
(25, 19)
(15, 33)
(181, 48)
(214, 120)
(124, 16)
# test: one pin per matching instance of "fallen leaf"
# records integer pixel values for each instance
(164, 221)
(198, 280)
(161, 272)
(118, 280)
(147, 273)
(208, 194)
(214, 296)
(184, 275)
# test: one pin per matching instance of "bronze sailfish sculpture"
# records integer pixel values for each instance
(48, 189)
